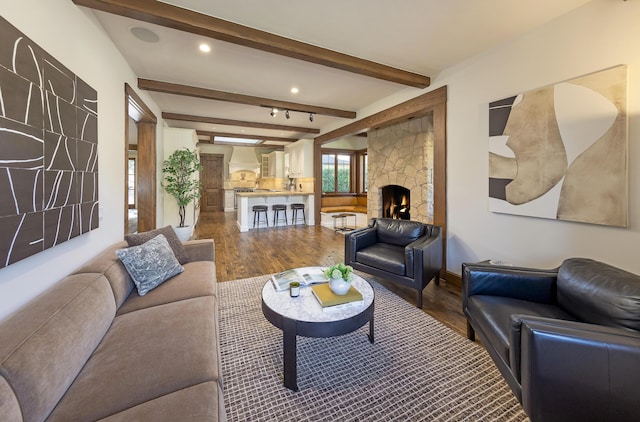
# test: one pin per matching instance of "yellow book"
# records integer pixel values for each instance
(327, 298)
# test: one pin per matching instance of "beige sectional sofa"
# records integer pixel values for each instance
(90, 348)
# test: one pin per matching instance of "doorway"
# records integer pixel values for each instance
(140, 144)
(212, 180)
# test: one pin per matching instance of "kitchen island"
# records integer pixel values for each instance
(246, 200)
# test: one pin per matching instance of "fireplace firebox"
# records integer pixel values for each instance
(396, 202)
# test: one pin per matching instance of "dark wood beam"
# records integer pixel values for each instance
(228, 122)
(415, 107)
(211, 94)
(159, 13)
(212, 135)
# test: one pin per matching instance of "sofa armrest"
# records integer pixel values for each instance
(200, 250)
(578, 371)
(531, 284)
(424, 255)
(358, 240)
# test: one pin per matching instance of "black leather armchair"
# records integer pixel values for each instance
(567, 340)
(403, 251)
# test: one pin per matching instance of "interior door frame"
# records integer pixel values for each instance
(146, 185)
(221, 173)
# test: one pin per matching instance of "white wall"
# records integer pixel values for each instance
(71, 35)
(599, 35)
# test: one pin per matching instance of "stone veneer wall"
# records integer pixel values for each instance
(402, 155)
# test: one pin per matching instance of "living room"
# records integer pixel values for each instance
(593, 36)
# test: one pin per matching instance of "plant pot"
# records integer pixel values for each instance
(339, 286)
(183, 233)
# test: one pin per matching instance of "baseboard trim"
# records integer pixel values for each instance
(453, 279)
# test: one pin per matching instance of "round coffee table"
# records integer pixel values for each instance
(304, 316)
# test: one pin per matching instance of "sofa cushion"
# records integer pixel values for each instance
(190, 404)
(383, 257)
(108, 264)
(9, 406)
(198, 279)
(46, 343)
(492, 316)
(599, 293)
(150, 264)
(146, 355)
(398, 232)
(136, 239)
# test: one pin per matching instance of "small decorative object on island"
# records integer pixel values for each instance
(340, 277)
(178, 180)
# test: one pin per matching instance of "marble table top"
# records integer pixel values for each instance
(307, 308)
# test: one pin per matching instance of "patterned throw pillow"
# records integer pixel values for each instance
(179, 251)
(150, 264)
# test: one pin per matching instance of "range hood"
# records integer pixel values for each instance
(244, 159)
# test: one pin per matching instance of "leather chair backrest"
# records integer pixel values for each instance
(598, 293)
(398, 232)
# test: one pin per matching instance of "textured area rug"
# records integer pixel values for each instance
(417, 369)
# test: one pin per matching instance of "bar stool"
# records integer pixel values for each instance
(257, 209)
(294, 212)
(276, 213)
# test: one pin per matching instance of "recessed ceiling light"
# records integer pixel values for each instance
(294, 90)
(144, 34)
(204, 48)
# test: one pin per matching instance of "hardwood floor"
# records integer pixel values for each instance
(269, 250)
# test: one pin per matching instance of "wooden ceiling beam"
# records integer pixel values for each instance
(212, 135)
(415, 107)
(175, 17)
(211, 94)
(240, 123)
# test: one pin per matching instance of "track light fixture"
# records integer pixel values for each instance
(287, 113)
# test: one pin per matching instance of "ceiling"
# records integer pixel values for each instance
(419, 36)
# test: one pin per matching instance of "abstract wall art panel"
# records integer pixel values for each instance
(560, 152)
(48, 150)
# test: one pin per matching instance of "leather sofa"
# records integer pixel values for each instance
(567, 340)
(402, 251)
(90, 348)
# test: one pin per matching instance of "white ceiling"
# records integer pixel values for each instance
(421, 36)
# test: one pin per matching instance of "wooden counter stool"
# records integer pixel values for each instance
(257, 209)
(294, 214)
(276, 213)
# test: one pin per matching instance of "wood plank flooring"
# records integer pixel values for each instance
(269, 250)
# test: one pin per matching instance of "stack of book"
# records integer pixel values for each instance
(331, 301)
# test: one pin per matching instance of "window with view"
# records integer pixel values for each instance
(336, 172)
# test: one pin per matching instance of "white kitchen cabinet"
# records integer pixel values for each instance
(228, 200)
(276, 164)
(300, 158)
(264, 165)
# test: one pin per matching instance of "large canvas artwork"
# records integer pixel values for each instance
(561, 151)
(48, 150)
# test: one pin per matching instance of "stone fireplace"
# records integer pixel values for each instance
(396, 202)
(402, 156)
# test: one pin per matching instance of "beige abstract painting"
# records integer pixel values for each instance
(561, 151)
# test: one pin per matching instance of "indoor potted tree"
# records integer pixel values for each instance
(178, 179)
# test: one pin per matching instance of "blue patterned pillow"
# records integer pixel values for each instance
(150, 264)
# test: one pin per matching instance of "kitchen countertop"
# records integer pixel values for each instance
(272, 193)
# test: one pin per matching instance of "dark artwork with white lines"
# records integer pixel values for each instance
(48, 150)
